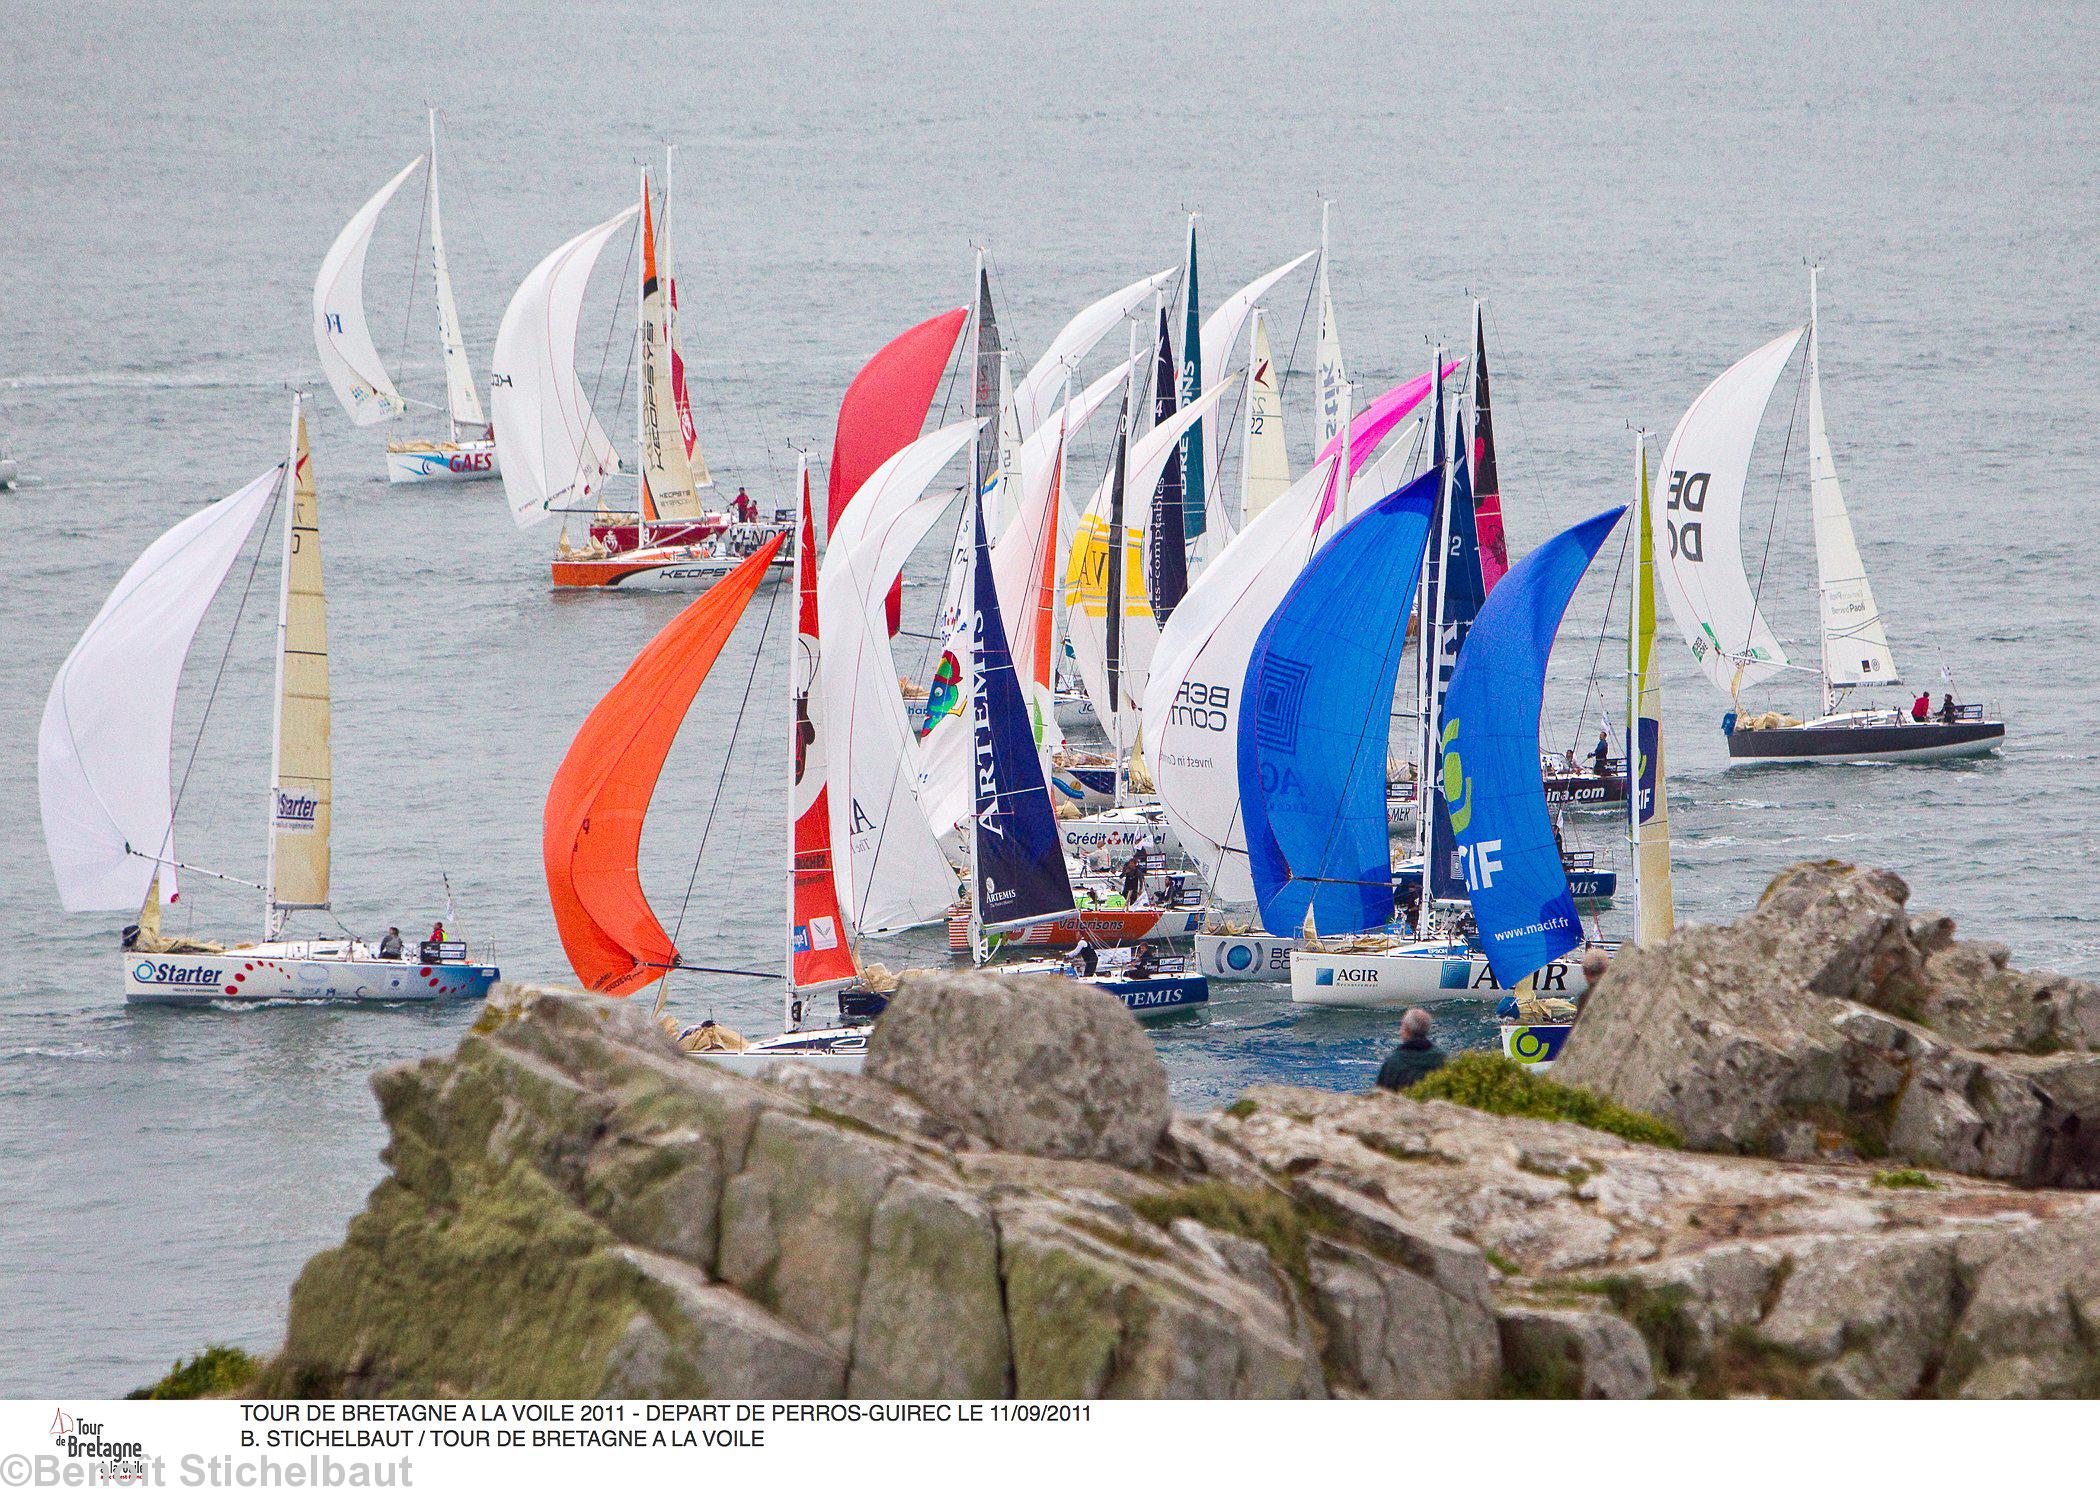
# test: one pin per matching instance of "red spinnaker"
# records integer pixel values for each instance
(885, 408)
(592, 830)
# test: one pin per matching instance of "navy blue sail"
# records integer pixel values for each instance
(1166, 540)
(1312, 741)
(1490, 763)
(1020, 860)
(1464, 591)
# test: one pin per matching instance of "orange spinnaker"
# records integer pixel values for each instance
(593, 825)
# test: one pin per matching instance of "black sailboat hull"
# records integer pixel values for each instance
(1807, 744)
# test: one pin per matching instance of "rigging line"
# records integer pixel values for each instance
(758, 651)
(408, 311)
(1589, 691)
(1778, 491)
(232, 630)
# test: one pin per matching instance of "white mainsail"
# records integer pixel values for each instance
(462, 400)
(1221, 336)
(548, 442)
(103, 747)
(1086, 573)
(1265, 462)
(342, 338)
(1855, 646)
(886, 861)
(1192, 699)
(302, 785)
(1035, 395)
(1705, 467)
(1329, 375)
(946, 743)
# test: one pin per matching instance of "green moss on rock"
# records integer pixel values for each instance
(220, 1370)
(1489, 1083)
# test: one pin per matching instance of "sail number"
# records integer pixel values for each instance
(1687, 494)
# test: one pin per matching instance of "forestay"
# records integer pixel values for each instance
(103, 747)
(1705, 468)
(341, 336)
(550, 446)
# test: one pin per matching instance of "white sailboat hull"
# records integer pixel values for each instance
(417, 462)
(299, 972)
(844, 1050)
(1409, 975)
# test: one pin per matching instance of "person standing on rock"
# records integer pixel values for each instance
(1414, 1057)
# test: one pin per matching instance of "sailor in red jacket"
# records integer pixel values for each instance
(1921, 708)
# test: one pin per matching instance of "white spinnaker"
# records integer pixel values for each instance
(946, 756)
(1265, 462)
(1192, 700)
(1855, 646)
(548, 442)
(1036, 394)
(462, 401)
(886, 861)
(1704, 470)
(1086, 573)
(342, 339)
(102, 751)
(1221, 336)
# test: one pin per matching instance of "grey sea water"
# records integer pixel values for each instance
(1634, 188)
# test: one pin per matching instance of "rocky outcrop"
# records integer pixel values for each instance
(575, 1207)
(1831, 1023)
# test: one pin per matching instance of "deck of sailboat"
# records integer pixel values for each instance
(1860, 738)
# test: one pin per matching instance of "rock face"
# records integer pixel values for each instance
(1830, 1022)
(576, 1207)
(1035, 1065)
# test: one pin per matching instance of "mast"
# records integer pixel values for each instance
(788, 1000)
(642, 390)
(1113, 580)
(1428, 644)
(1642, 574)
(462, 402)
(284, 605)
(1815, 378)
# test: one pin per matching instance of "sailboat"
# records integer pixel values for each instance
(1538, 1044)
(1312, 755)
(104, 771)
(558, 459)
(343, 339)
(1715, 602)
(1017, 865)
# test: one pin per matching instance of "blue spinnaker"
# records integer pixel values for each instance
(1490, 764)
(1020, 857)
(1317, 710)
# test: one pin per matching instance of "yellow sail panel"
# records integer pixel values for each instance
(666, 473)
(304, 789)
(1649, 805)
